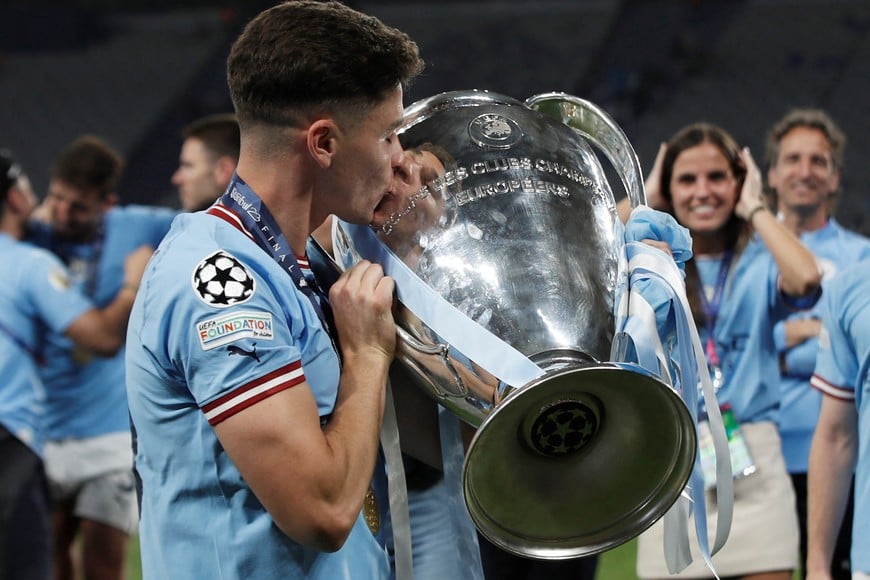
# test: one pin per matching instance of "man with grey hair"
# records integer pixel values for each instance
(805, 152)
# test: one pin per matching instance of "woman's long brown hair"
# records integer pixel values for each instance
(736, 231)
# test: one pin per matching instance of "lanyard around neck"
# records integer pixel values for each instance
(258, 223)
(712, 306)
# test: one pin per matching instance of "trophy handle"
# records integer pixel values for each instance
(442, 351)
(596, 125)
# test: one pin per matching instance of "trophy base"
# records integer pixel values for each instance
(579, 461)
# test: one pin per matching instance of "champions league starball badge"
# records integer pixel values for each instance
(220, 280)
(495, 131)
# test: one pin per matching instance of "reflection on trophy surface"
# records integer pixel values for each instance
(516, 230)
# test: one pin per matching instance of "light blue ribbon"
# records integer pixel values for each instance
(647, 264)
(461, 332)
(468, 338)
(452, 456)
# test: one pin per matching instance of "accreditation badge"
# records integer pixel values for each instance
(742, 463)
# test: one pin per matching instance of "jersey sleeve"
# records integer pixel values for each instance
(240, 339)
(836, 368)
(57, 303)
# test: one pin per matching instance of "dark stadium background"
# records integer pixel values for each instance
(135, 72)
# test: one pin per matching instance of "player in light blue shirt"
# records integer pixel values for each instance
(806, 151)
(218, 356)
(37, 299)
(257, 405)
(88, 452)
(842, 439)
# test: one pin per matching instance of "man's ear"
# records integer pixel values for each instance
(224, 168)
(16, 201)
(322, 141)
(772, 177)
(110, 201)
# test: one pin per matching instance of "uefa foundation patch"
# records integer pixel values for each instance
(234, 326)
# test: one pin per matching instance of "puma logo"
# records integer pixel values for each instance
(233, 349)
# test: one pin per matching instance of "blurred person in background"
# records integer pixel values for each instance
(88, 455)
(805, 153)
(747, 270)
(37, 298)
(208, 159)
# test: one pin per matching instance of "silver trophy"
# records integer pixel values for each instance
(513, 254)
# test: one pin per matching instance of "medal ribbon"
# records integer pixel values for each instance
(258, 223)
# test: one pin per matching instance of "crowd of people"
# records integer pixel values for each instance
(231, 416)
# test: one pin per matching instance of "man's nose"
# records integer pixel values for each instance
(805, 167)
(60, 208)
(397, 155)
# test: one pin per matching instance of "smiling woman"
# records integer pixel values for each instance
(739, 284)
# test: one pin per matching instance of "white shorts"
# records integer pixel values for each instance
(764, 530)
(96, 476)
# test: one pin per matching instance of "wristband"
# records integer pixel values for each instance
(129, 286)
(754, 211)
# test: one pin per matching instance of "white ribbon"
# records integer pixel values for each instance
(397, 489)
(452, 455)
(471, 339)
(648, 263)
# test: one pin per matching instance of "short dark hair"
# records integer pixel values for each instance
(219, 133)
(812, 119)
(89, 164)
(304, 56)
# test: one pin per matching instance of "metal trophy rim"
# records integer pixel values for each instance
(509, 420)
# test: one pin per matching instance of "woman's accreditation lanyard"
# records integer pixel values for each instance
(742, 463)
(260, 226)
(711, 311)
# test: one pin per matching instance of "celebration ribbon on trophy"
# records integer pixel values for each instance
(649, 264)
(467, 336)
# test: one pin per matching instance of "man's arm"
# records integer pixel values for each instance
(312, 480)
(832, 459)
(103, 331)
